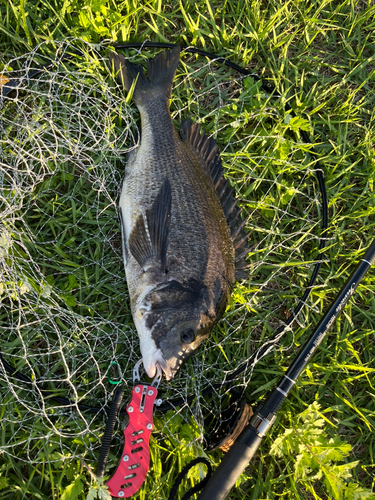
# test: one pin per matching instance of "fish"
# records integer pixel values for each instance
(184, 243)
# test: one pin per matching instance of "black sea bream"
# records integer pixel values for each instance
(178, 223)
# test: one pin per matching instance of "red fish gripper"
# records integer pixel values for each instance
(135, 460)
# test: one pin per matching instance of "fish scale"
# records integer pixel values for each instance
(179, 253)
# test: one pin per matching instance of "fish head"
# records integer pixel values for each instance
(172, 321)
(177, 336)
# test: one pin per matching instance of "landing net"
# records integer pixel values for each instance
(64, 304)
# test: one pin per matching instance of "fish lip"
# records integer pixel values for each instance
(169, 373)
(170, 368)
(150, 365)
(151, 368)
(158, 359)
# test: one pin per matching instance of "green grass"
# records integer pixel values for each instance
(320, 56)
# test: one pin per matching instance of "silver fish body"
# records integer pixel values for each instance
(178, 248)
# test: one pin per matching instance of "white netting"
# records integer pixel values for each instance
(65, 312)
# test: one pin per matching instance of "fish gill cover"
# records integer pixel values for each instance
(64, 304)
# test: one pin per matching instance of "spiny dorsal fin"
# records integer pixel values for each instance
(205, 148)
(208, 155)
(147, 245)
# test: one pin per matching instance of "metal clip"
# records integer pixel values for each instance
(157, 379)
(136, 377)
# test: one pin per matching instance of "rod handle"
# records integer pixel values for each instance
(233, 464)
(272, 404)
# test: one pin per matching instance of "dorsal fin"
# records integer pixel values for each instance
(205, 148)
(208, 155)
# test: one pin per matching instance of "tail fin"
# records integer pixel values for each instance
(161, 72)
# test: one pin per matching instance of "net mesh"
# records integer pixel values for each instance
(65, 311)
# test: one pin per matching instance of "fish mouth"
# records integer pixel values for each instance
(170, 367)
(150, 363)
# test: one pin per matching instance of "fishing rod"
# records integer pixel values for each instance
(247, 443)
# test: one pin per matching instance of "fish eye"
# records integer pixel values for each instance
(188, 336)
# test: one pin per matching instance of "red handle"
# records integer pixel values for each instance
(135, 460)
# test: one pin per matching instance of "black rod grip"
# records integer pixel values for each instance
(232, 465)
(271, 404)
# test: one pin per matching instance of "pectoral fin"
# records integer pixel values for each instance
(149, 244)
(158, 221)
(139, 243)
